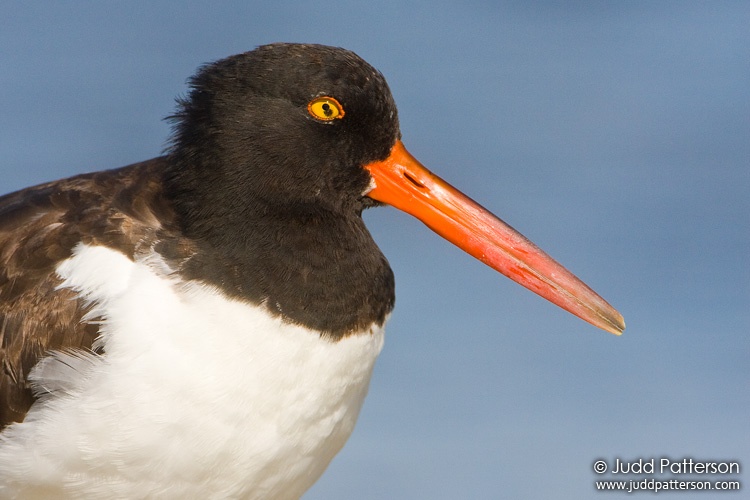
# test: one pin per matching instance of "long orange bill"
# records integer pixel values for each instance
(401, 181)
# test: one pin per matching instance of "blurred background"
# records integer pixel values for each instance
(616, 135)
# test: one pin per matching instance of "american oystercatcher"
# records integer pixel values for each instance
(204, 324)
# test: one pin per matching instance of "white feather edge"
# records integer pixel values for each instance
(61, 371)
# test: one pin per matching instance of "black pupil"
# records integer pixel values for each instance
(327, 109)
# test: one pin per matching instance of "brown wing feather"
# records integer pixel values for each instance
(39, 227)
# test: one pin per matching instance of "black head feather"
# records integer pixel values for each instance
(261, 182)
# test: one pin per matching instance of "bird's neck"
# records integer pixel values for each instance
(305, 262)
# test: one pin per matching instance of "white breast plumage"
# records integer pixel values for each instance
(196, 396)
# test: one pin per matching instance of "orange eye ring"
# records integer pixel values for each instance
(325, 109)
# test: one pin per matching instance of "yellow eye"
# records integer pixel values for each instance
(325, 108)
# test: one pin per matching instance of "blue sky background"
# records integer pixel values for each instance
(616, 135)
